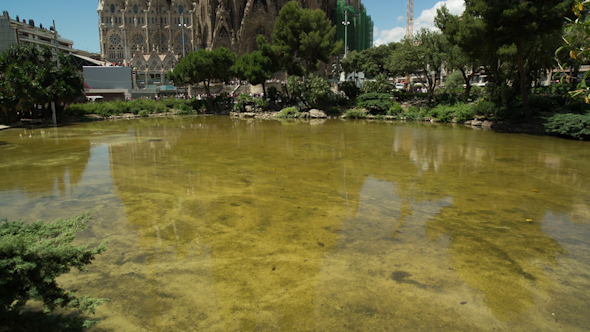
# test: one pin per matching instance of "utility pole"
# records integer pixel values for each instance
(182, 25)
(345, 23)
(53, 115)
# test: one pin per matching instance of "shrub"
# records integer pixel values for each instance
(446, 113)
(449, 97)
(413, 113)
(490, 110)
(170, 102)
(262, 103)
(78, 109)
(184, 109)
(107, 109)
(395, 109)
(289, 112)
(272, 94)
(198, 104)
(144, 113)
(568, 125)
(242, 101)
(314, 92)
(356, 113)
(379, 102)
(350, 89)
(577, 106)
(541, 103)
(334, 111)
(33, 256)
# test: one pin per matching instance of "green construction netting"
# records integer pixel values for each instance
(360, 28)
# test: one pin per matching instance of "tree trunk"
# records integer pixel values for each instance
(467, 80)
(523, 85)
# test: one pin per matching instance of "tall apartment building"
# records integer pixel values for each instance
(21, 32)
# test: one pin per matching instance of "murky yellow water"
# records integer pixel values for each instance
(216, 224)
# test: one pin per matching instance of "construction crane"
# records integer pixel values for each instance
(410, 19)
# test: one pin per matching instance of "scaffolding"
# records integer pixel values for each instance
(360, 28)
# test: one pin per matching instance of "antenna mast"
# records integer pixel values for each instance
(410, 19)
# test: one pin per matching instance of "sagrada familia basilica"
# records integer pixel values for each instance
(149, 35)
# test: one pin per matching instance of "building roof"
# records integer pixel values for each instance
(81, 61)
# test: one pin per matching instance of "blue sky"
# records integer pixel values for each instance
(77, 20)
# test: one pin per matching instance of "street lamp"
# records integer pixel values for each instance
(181, 9)
(345, 23)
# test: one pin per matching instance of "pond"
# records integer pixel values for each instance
(221, 224)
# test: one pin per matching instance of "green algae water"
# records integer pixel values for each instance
(220, 224)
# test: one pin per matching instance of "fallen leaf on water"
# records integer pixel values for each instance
(464, 302)
(529, 220)
(274, 268)
(535, 190)
(321, 244)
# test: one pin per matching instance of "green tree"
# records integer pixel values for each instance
(313, 91)
(302, 38)
(461, 55)
(204, 66)
(28, 76)
(576, 49)
(352, 63)
(511, 28)
(32, 256)
(374, 60)
(422, 56)
(256, 68)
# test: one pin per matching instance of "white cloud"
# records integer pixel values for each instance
(388, 36)
(424, 20)
(401, 18)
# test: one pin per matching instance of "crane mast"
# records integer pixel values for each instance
(410, 19)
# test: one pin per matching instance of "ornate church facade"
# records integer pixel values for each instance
(150, 35)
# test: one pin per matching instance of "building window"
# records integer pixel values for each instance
(112, 8)
(115, 39)
(135, 9)
(112, 54)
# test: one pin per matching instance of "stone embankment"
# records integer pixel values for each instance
(311, 114)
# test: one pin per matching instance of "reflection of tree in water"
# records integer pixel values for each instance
(39, 162)
(267, 201)
(493, 247)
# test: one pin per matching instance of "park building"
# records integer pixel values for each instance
(151, 36)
